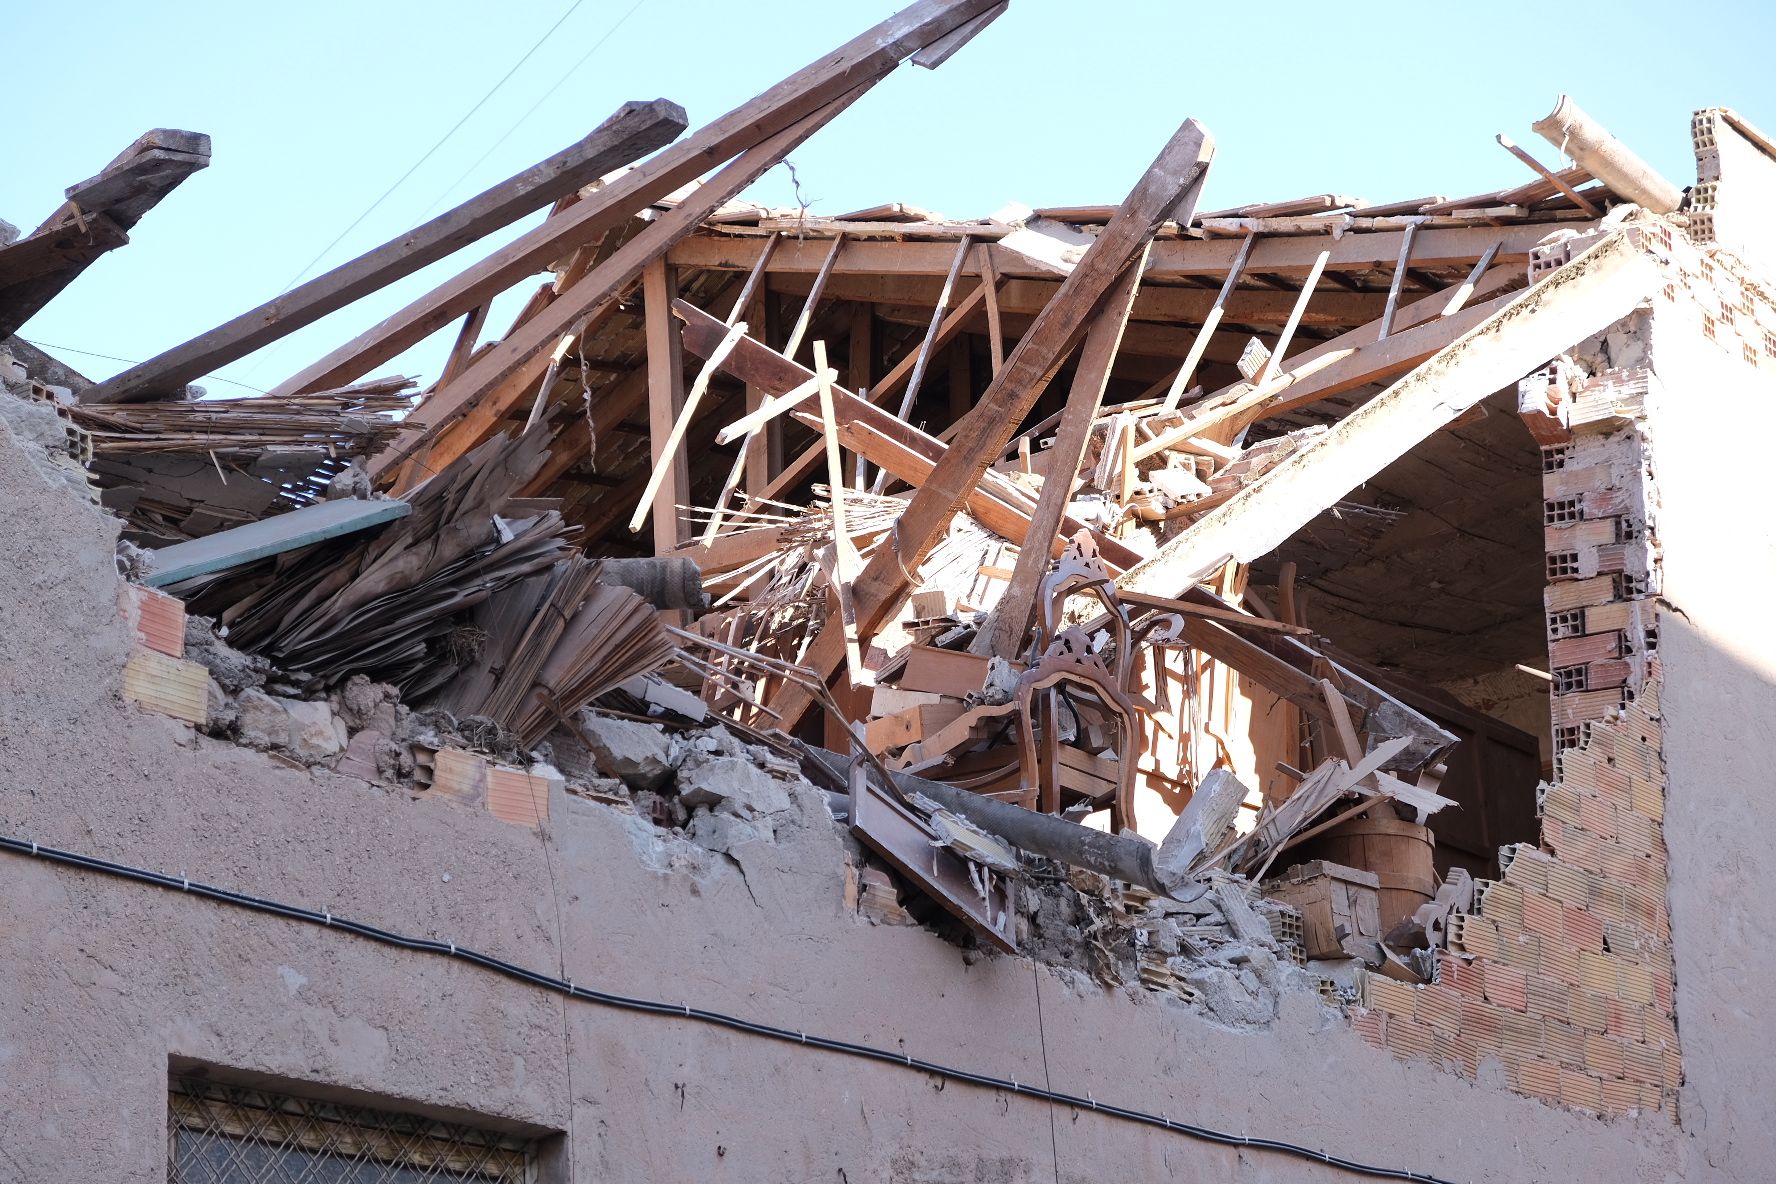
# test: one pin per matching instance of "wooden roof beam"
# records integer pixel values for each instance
(631, 132)
(1162, 304)
(1585, 297)
(1292, 256)
(1167, 190)
(861, 62)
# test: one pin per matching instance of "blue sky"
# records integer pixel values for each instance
(316, 109)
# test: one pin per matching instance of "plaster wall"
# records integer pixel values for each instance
(1712, 467)
(106, 980)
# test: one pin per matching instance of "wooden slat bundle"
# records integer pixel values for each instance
(556, 641)
(388, 606)
(351, 421)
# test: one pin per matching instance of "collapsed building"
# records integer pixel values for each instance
(1262, 692)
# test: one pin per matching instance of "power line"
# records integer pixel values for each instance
(68, 349)
(559, 83)
(788, 1036)
(572, 8)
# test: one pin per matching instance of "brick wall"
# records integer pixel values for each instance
(1563, 971)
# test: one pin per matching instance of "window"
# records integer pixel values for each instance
(229, 1134)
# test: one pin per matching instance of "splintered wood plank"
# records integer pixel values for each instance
(523, 355)
(798, 469)
(1168, 189)
(631, 132)
(665, 400)
(845, 560)
(859, 63)
(1566, 306)
(876, 435)
(1005, 632)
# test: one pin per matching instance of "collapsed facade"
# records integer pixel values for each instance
(1379, 706)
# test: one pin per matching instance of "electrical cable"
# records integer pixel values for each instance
(519, 122)
(68, 349)
(685, 1010)
(507, 77)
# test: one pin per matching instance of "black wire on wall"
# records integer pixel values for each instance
(653, 1007)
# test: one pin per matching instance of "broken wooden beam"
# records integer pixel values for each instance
(523, 355)
(96, 218)
(1586, 296)
(1005, 631)
(859, 63)
(1165, 191)
(874, 434)
(631, 132)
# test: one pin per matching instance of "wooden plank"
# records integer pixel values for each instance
(945, 47)
(798, 469)
(1254, 661)
(1584, 297)
(666, 393)
(929, 342)
(954, 673)
(1294, 321)
(1166, 190)
(523, 354)
(1459, 298)
(1337, 365)
(845, 560)
(909, 726)
(673, 448)
(631, 132)
(1005, 632)
(68, 250)
(800, 329)
(881, 438)
(905, 841)
(1399, 280)
(995, 327)
(96, 219)
(1342, 726)
(1356, 250)
(859, 63)
(465, 343)
(1210, 322)
(268, 536)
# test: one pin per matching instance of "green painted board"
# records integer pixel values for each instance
(269, 536)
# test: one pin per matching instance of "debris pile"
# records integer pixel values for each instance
(1000, 532)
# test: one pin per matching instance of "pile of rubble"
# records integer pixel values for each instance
(990, 648)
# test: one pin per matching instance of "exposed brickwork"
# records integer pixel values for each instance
(1563, 971)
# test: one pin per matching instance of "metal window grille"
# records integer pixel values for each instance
(228, 1134)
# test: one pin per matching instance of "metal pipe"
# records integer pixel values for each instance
(1120, 858)
(666, 581)
(1583, 139)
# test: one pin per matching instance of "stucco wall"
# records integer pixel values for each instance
(1709, 427)
(104, 980)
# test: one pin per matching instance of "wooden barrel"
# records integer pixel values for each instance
(1399, 853)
